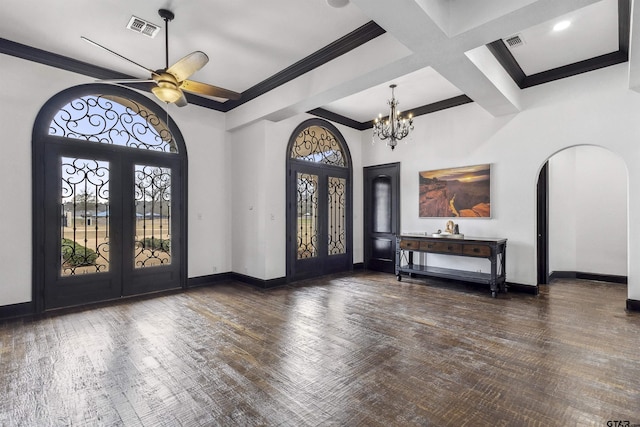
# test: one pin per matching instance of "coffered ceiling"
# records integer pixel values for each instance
(292, 56)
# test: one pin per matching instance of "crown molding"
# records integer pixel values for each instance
(356, 38)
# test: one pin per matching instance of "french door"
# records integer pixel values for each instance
(112, 223)
(319, 201)
(319, 224)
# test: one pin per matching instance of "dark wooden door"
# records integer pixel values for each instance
(381, 216)
(543, 225)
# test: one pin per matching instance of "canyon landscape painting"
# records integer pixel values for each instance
(456, 192)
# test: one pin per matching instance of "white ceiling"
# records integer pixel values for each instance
(248, 41)
(592, 32)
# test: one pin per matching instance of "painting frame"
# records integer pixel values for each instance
(458, 192)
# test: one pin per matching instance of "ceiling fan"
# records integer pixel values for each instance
(171, 81)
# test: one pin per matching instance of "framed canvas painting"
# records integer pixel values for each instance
(455, 192)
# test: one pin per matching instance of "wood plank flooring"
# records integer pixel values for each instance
(346, 350)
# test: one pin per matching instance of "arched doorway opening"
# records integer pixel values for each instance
(319, 201)
(109, 186)
(583, 197)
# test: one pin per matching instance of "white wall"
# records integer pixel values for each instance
(562, 214)
(595, 108)
(588, 211)
(209, 220)
(248, 175)
(32, 85)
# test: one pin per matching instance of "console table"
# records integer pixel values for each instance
(495, 250)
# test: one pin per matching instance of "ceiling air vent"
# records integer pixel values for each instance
(141, 26)
(514, 41)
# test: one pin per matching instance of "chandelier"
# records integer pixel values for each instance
(393, 128)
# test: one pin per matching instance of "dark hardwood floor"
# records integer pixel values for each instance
(352, 350)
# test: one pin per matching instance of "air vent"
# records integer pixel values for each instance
(514, 41)
(144, 27)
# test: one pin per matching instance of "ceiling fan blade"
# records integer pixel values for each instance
(149, 70)
(209, 90)
(184, 68)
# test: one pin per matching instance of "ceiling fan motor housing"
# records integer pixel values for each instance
(165, 14)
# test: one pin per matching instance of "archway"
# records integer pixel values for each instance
(587, 194)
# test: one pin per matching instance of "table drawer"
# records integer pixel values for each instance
(442, 247)
(412, 245)
(477, 250)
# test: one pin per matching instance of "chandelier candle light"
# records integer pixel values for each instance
(394, 127)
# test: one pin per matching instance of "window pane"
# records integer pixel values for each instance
(84, 217)
(152, 240)
(113, 120)
(381, 204)
(307, 216)
(316, 144)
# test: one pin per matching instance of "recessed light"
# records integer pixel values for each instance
(337, 3)
(562, 25)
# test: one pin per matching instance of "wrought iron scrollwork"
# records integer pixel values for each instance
(307, 216)
(113, 120)
(337, 216)
(316, 144)
(153, 216)
(85, 216)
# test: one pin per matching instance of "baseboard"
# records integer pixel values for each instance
(633, 305)
(210, 279)
(260, 283)
(562, 275)
(358, 266)
(22, 309)
(610, 278)
(525, 289)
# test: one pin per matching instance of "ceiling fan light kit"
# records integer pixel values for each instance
(337, 3)
(172, 81)
(166, 93)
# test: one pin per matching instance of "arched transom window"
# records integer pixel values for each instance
(109, 119)
(318, 145)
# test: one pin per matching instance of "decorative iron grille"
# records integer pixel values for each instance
(153, 216)
(337, 216)
(307, 193)
(84, 217)
(316, 144)
(113, 120)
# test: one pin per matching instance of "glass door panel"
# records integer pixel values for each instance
(337, 239)
(84, 217)
(152, 232)
(381, 204)
(307, 214)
